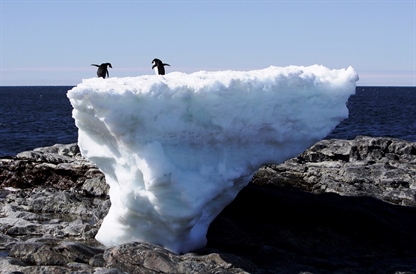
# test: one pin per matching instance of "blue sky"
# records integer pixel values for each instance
(55, 42)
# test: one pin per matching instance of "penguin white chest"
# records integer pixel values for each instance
(155, 68)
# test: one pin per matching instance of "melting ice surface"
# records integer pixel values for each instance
(176, 149)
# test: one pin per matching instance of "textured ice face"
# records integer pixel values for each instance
(176, 149)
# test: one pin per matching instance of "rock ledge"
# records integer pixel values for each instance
(342, 206)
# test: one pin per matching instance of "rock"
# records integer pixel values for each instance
(54, 252)
(59, 166)
(34, 253)
(342, 206)
(95, 184)
(287, 230)
(149, 258)
(50, 213)
(383, 168)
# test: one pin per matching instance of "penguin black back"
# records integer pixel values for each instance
(159, 66)
(102, 70)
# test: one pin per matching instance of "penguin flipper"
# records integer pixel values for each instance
(153, 66)
(166, 65)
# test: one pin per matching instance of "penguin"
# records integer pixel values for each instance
(102, 69)
(159, 67)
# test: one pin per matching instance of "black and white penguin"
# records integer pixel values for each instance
(102, 70)
(159, 67)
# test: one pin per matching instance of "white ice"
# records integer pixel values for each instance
(176, 149)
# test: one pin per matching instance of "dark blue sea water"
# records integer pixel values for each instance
(33, 117)
(380, 111)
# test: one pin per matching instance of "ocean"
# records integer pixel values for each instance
(32, 117)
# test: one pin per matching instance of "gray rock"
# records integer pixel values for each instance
(59, 166)
(54, 252)
(95, 186)
(70, 150)
(384, 168)
(108, 271)
(148, 258)
(342, 206)
(50, 213)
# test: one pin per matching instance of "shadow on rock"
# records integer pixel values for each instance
(286, 230)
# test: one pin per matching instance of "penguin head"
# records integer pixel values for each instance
(156, 61)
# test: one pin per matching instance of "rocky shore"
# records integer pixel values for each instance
(342, 206)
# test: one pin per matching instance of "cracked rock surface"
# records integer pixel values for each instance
(342, 206)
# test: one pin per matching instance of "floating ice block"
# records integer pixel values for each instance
(176, 149)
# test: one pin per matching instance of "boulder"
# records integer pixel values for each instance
(59, 166)
(379, 167)
(149, 258)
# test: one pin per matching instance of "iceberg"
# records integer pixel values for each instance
(176, 149)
